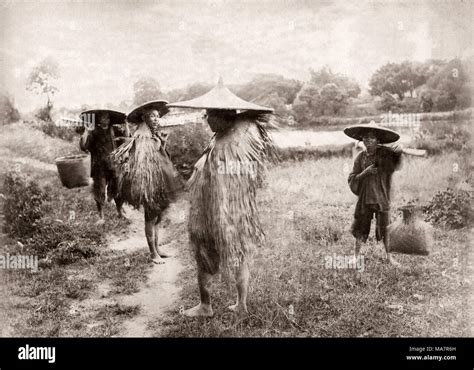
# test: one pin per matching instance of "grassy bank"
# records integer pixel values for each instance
(306, 212)
(72, 293)
(328, 122)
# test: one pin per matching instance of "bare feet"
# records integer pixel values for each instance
(157, 260)
(201, 310)
(163, 254)
(392, 261)
(238, 309)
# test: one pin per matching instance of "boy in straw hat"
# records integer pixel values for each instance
(100, 141)
(146, 175)
(370, 180)
(223, 223)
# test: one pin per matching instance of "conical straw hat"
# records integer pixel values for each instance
(116, 117)
(135, 116)
(384, 135)
(220, 97)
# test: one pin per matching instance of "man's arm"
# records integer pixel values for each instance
(391, 157)
(354, 177)
(85, 141)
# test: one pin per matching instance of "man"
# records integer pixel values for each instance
(100, 140)
(370, 180)
(147, 176)
(223, 224)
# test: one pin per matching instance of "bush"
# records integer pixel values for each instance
(8, 112)
(53, 130)
(23, 204)
(438, 137)
(27, 208)
(450, 208)
(186, 144)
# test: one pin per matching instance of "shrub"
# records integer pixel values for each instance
(437, 137)
(450, 208)
(8, 112)
(53, 130)
(23, 204)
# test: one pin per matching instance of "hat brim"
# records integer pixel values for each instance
(135, 116)
(384, 135)
(116, 117)
(220, 98)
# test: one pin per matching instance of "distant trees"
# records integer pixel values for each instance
(326, 93)
(440, 85)
(146, 89)
(398, 79)
(41, 81)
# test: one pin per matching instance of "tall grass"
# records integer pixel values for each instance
(306, 211)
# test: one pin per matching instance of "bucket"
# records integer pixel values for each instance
(74, 170)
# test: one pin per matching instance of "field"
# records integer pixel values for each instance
(306, 210)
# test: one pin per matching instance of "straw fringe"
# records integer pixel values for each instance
(224, 226)
(140, 171)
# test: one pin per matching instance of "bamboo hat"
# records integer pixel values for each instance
(384, 135)
(135, 116)
(220, 97)
(116, 117)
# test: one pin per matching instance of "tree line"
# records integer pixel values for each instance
(433, 85)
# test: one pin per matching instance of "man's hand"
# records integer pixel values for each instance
(371, 170)
(397, 148)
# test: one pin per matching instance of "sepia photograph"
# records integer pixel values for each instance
(237, 169)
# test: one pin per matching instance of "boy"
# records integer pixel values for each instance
(370, 180)
(147, 176)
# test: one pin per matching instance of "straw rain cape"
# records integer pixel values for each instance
(223, 223)
(146, 175)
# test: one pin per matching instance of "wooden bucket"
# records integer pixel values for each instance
(74, 170)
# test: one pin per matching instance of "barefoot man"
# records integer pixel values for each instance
(223, 225)
(371, 180)
(100, 140)
(146, 175)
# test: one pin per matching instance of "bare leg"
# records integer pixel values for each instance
(119, 204)
(390, 258)
(150, 221)
(161, 253)
(204, 308)
(242, 277)
(99, 196)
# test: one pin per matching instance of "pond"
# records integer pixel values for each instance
(288, 138)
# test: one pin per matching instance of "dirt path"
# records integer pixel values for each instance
(160, 292)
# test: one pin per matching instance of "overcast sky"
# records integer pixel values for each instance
(103, 47)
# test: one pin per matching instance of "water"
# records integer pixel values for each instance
(288, 138)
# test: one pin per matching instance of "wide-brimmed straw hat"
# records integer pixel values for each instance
(93, 116)
(220, 97)
(135, 116)
(384, 135)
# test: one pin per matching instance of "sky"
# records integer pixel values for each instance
(103, 47)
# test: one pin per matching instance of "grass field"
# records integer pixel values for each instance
(306, 212)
